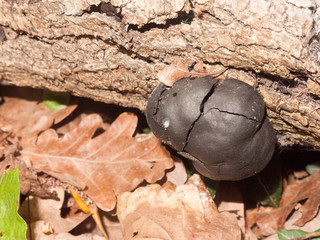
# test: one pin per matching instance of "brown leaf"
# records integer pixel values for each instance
(112, 225)
(199, 67)
(310, 226)
(174, 72)
(108, 164)
(309, 210)
(232, 201)
(9, 148)
(300, 174)
(9, 144)
(35, 209)
(29, 116)
(39, 233)
(175, 213)
(178, 175)
(270, 220)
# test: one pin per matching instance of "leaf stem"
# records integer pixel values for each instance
(92, 209)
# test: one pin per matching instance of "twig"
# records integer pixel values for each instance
(5, 138)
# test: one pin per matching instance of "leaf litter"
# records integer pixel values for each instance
(307, 190)
(169, 212)
(49, 211)
(27, 115)
(9, 155)
(106, 161)
(106, 165)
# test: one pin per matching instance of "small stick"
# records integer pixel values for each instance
(5, 138)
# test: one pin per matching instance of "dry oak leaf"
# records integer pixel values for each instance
(9, 149)
(108, 164)
(174, 213)
(25, 116)
(269, 220)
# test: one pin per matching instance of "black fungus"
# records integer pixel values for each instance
(221, 125)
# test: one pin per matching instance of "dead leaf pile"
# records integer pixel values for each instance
(47, 212)
(111, 166)
(268, 220)
(175, 213)
(106, 165)
(100, 158)
(9, 160)
(28, 115)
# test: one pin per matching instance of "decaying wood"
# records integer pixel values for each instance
(111, 51)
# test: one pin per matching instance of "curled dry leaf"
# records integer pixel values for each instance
(175, 213)
(107, 164)
(174, 72)
(199, 67)
(269, 220)
(310, 226)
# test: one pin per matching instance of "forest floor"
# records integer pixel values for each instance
(73, 151)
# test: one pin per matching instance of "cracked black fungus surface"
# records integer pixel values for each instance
(220, 125)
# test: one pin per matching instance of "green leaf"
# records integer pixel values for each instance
(146, 130)
(12, 226)
(294, 233)
(312, 168)
(189, 173)
(55, 100)
(266, 186)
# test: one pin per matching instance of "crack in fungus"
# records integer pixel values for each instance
(232, 113)
(203, 102)
(159, 100)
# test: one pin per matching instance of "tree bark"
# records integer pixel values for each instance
(111, 51)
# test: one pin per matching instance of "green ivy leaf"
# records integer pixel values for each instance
(293, 234)
(313, 168)
(55, 100)
(12, 226)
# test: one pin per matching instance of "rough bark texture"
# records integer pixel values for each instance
(111, 51)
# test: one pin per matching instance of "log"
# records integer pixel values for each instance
(111, 51)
